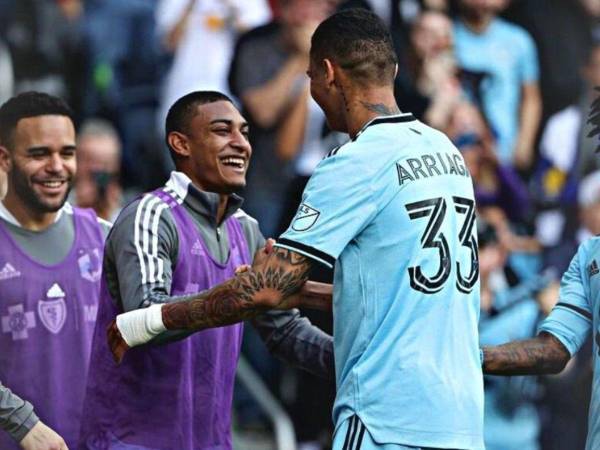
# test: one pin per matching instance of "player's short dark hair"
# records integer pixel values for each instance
(359, 43)
(25, 105)
(183, 111)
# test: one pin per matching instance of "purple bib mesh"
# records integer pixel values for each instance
(178, 395)
(47, 317)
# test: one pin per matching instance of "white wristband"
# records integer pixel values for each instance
(141, 325)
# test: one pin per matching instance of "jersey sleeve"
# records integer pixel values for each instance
(16, 415)
(296, 341)
(142, 247)
(528, 65)
(337, 204)
(571, 319)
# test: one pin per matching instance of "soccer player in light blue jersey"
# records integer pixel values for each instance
(562, 333)
(393, 212)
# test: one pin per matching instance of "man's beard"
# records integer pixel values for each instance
(20, 183)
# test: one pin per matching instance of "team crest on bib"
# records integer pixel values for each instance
(53, 311)
(305, 218)
(90, 266)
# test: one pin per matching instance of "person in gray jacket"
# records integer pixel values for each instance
(167, 246)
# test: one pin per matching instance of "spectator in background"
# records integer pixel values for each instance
(510, 94)
(561, 30)
(44, 38)
(399, 16)
(589, 207)
(429, 87)
(496, 185)
(268, 91)
(98, 169)
(6, 73)
(200, 34)
(567, 155)
(502, 197)
(592, 9)
(511, 421)
(124, 72)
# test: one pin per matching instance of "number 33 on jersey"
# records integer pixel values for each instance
(394, 212)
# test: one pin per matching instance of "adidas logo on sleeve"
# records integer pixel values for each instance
(8, 272)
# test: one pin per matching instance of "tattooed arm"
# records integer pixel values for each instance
(275, 281)
(270, 284)
(541, 355)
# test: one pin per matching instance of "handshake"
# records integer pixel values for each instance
(197, 312)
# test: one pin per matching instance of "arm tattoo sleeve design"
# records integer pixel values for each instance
(540, 355)
(270, 283)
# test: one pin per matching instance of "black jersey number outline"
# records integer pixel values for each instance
(436, 208)
(431, 238)
(468, 239)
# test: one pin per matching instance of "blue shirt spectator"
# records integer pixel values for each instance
(507, 54)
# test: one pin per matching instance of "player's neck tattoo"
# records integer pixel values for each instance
(345, 101)
(381, 108)
(241, 297)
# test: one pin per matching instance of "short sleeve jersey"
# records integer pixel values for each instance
(575, 314)
(393, 211)
(507, 54)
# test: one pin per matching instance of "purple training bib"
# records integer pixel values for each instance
(178, 395)
(47, 317)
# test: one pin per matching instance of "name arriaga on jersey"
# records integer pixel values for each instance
(428, 165)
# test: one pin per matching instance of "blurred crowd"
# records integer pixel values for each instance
(509, 82)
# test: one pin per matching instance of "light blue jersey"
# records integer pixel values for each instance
(575, 314)
(394, 211)
(507, 53)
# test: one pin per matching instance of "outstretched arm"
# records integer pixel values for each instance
(543, 354)
(275, 281)
(271, 283)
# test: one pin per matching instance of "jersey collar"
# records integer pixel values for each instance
(396, 118)
(202, 202)
(6, 215)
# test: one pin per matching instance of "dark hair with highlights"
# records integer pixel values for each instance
(357, 41)
(25, 105)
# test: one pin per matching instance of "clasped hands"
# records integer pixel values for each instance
(312, 295)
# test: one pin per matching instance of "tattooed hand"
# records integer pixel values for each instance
(259, 256)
